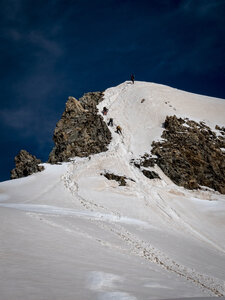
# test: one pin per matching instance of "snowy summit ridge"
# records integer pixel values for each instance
(80, 234)
(190, 154)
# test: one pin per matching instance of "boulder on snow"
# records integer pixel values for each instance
(146, 161)
(81, 131)
(26, 164)
(150, 174)
(191, 154)
(118, 178)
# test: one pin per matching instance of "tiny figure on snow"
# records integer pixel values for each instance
(118, 129)
(132, 78)
(110, 123)
(105, 111)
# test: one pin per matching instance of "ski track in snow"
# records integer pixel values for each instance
(141, 248)
(191, 229)
(143, 188)
(54, 210)
(137, 246)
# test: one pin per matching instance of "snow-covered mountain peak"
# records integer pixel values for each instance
(141, 109)
(75, 231)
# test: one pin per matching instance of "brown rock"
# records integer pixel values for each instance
(190, 154)
(81, 131)
(26, 164)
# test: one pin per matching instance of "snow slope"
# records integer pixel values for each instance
(69, 233)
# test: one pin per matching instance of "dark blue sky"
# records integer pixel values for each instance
(53, 49)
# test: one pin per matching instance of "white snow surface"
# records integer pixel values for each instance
(69, 233)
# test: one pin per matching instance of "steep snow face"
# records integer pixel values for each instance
(69, 233)
(141, 108)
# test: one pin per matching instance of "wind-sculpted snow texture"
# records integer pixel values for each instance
(70, 233)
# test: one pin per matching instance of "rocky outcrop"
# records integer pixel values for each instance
(150, 174)
(26, 164)
(191, 154)
(143, 163)
(120, 179)
(81, 131)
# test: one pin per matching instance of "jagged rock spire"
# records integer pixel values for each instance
(80, 131)
(26, 164)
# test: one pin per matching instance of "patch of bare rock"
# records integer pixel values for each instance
(120, 179)
(26, 164)
(144, 163)
(191, 155)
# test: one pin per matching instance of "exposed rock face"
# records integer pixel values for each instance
(80, 131)
(26, 164)
(150, 174)
(191, 154)
(118, 178)
(144, 162)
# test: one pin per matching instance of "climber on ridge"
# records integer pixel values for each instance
(110, 123)
(105, 111)
(118, 129)
(132, 78)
